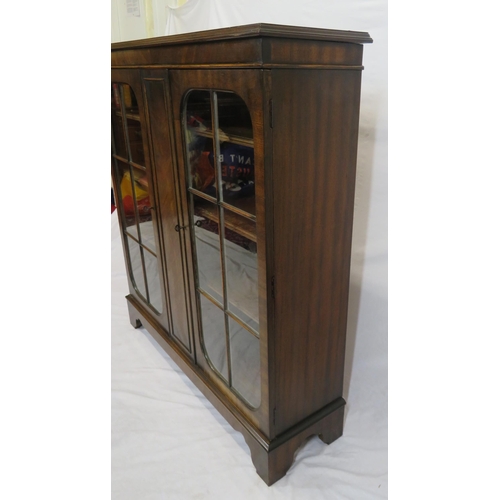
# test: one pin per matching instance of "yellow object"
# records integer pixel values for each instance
(127, 96)
(126, 187)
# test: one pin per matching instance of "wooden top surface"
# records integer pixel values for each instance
(249, 31)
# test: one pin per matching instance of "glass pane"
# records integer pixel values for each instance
(227, 165)
(198, 134)
(125, 198)
(154, 286)
(137, 188)
(143, 202)
(214, 335)
(245, 362)
(135, 139)
(236, 152)
(129, 100)
(123, 94)
(147, 234)
(208, 256)
(141, 188)
(116, 101)
(134, 131)
(136, 265)
(240, 249)
(133, 195)
(118, 142)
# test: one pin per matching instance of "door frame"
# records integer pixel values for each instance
(249, 84)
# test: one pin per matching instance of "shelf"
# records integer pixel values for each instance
(225, 137)
(130, 116)
(244, 206)
(238, 224)
(131, 163)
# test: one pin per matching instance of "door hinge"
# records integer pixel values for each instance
(271, 113)
(272, 288)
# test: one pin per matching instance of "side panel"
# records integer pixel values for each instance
(315, 129)
(286, 52)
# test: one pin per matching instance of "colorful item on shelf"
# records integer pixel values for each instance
(202, 170)
(141, 194)
(237, 169)
(237, 162)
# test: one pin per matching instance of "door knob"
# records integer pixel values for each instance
(178, 228)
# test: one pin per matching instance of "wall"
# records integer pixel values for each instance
(150, 19)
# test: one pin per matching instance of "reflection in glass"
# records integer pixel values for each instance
(125, 197)
(135, 140)
(207, 240)
(129, 100)
(116, 100)
(119, 144)
(136, 264)
(234, 118)
(199, 111)
(236, 152)
(241, 269)
(133, 195)
(245, 362)
(147, 235)
(220, 167)
(153, 280)
(199, 141)
(214, 336)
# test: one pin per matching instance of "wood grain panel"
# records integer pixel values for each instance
(249, 31)
(164, 168)
(284, 51)
(314, 161)
(235, 52)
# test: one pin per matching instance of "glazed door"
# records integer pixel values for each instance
(169, 207)
(220, 149)
(135, 195)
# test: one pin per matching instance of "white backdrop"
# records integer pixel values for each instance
(168, 442)
(444, 261)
